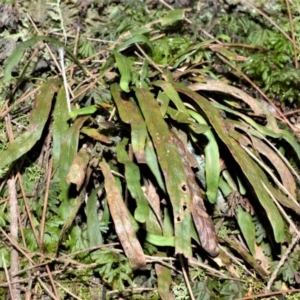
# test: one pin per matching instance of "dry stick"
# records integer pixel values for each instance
(280, 155)
(237, 261)
(49, 50)
(27, 208)
(42, 275)
(7, 276)
(11, 138)
(258, 89)
(268, 170)
(67, 291)
(45, 205)
(185, 276)
(13, 227)
(63, 72)
(43, 221)
(17, 246)
(149, 59)
(52, 283)
(20, 100)
(14, 255)
(293, 226)
(264, 295)
(63, 258)
(281, 262)
(270, 20)
(293, 33)
(74, 51)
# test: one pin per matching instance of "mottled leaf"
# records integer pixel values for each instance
(124, 65)
(130, 114)
(247, 227)
(60, 126)
(69, 148)
(16, 56)
(133, 180)
(264, 130)
(202, 220)
(171, 165)
(247, 165)
(92, 219)
(164, 280)
(212, 157)
(39, 117)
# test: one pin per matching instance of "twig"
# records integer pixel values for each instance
(67, 291)
(269, 19)
(264, 295)
(237, 262)
(149, 59)
(48, 48)
(281, 262)
(280, 155)
(63, 73)
(74, 51)
(282, 116)
(7, 276)
(13, 227)
(27, 208)
(185, 276)
(293, 34)
(52, 283)
(43, 221)
(295, 240)
(269, 171)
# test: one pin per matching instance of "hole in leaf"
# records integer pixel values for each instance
(184, 187)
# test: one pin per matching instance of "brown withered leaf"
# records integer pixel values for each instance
(203, 223)
(123, 226)
(154, 201)
(95, 134)
(78, 168)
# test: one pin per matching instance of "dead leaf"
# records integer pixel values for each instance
(123, 226)
(78, 169)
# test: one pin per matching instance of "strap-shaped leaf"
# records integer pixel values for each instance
(130, 114)
(123, 225)
(133, 180)
(39, 117)
(212, 157)
(16, 56)
(248, 166)
(173, 171)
